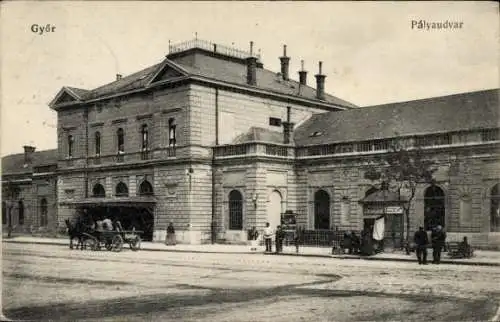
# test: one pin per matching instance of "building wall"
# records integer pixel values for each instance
(237, 114)
(465, 178)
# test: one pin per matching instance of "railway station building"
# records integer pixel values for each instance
(215, 143)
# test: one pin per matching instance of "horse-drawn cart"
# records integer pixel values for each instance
(112, 240)
(112, 237)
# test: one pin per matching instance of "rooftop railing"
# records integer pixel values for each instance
(210, 46)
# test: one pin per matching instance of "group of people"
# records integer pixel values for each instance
(437, 242)
(279, 238)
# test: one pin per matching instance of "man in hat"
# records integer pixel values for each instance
(421, 241)
(438, 238)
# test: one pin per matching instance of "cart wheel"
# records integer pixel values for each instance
(109, 246)
(117, 243)
(90, 243)
(135, 244)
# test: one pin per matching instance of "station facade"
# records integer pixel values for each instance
(210, 140)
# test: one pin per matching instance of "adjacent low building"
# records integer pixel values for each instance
(210, 140)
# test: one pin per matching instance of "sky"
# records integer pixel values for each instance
(370, 53)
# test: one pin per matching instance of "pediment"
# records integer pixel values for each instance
(65, 96)
(167, 71)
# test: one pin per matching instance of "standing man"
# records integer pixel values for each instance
(421, 241)
(268, 237)
(438, 237)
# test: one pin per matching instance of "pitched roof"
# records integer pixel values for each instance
(459, 112)
(258, 134)
(14, 163)
(236, 72)
(204, 64)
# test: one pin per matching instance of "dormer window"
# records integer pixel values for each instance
(274, 121)
(316, 133)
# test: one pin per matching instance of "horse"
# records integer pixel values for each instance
(76, 231)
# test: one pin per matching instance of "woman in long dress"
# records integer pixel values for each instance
(170, 235)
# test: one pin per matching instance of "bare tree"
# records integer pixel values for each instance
(400, 169)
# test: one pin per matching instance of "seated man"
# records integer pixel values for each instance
(346, 243)
(464, 249)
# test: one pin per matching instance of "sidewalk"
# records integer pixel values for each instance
(481, 258)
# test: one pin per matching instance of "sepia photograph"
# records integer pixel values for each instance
(250, 161)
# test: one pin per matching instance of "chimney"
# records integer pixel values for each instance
(285, 61)
(302, 74)
(251, 67)
(28, 154)
(118, 76)
(320, 83)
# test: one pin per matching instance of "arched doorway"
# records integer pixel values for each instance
(274, 209)
(321, 210)
(495, 209)
(434, 207)
(235, 210)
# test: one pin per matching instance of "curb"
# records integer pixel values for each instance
(281, 254)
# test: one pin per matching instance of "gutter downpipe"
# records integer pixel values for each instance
(213, 224)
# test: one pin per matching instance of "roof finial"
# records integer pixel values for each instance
(302, 64)
(196, 35)
(251, 48)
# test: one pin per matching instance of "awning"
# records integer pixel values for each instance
(112, 202)
(384, 197)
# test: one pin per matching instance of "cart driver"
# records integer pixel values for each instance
(107, 224)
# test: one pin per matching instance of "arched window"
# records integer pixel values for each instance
(21, 212)
(43, 213)
(4, 213)
(144, 137)
(120, 140)
(495, 209)
(171, 132)
(71, 143)
(235, 210)
(121, 190)
(321, 210)
(98, 191)
(97, 142)
(145, 189)
(434, 207)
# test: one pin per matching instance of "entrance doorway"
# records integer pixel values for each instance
(321, 210)
(274, 209)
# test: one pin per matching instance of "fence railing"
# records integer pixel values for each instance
(210, 46)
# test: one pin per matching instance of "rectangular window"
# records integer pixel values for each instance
(274, 121)
(433, 140)
(490, 135)
(71, 143)
(172, 140)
